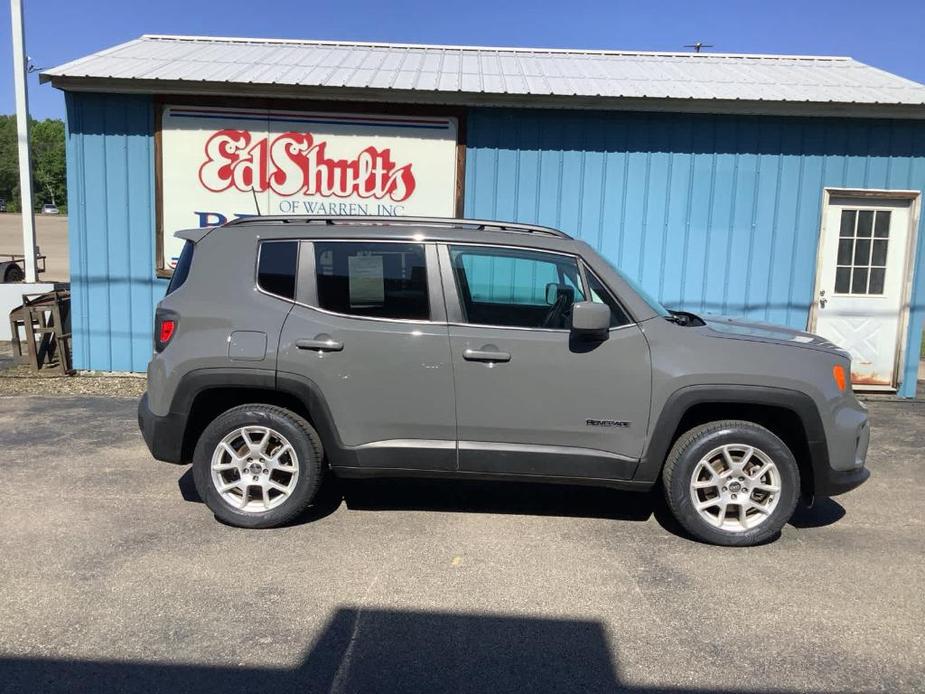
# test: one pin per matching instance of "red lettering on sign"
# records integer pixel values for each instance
(296, 163)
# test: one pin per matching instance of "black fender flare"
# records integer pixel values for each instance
(195, 382)
(296, 386)
(662, 435)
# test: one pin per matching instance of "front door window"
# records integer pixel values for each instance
(516, 288)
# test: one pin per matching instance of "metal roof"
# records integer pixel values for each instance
(473, 74)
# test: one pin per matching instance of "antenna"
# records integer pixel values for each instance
(31, 67)
(254, 192)
(698, 46)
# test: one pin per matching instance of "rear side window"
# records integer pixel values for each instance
(181, 271)
(276, 268)
(378, 280)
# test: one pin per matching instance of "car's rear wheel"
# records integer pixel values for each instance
(258, 466)
(731, 483)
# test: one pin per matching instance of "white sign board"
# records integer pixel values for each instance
(218, 164)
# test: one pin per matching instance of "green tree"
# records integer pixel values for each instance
(49, 180)
(9, 161)
(48, 168)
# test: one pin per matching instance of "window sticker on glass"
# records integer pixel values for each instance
(367, 280)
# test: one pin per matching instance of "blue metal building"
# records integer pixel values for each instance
(709, 178)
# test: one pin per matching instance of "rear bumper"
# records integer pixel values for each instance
(162, 434)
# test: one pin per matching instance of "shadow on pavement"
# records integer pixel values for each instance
(467, 497)
(823, 512)
(374, 651)
(506, 497)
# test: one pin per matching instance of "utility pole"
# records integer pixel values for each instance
(22, 132)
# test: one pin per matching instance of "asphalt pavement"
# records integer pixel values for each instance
(115, 578)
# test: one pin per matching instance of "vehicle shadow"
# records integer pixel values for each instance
(503, 497)
(466, 496)
(824, 511)
(363, 649)
(509, 497)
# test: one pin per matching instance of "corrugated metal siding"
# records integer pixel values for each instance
(717, 214)
(110, 151)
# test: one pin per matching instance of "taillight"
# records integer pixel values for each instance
(165, 326)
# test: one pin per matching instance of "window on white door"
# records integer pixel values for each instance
(864, 237)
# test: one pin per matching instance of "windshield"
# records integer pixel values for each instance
(643, 294)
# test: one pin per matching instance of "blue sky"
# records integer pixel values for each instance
(888, 35)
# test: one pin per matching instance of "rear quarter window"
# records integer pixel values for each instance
(276, 268)
(181, 271)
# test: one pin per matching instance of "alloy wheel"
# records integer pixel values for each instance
(735, 487)
(254, 469)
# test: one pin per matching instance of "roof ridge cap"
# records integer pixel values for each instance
(499, 49)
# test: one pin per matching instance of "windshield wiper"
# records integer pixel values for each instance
(685, 318)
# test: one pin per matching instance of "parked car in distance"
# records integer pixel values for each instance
(48, 208)
(2, 205)
(287, 347)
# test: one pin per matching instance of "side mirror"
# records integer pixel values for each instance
(556, 291)
(590, 320)
(551, 289)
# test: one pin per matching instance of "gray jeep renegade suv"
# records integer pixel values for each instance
(286, 347)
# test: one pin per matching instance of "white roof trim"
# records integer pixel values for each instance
(498, 49)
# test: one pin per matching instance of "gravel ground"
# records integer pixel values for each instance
(115, 578)
(20, 379)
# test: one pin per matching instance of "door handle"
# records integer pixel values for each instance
(822, 299)
(320, 344)
(485, 355)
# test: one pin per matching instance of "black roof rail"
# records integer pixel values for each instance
(476, 224)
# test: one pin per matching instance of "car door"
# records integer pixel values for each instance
(531, 398)
(368, 334)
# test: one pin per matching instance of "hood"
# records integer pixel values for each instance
(736, 329)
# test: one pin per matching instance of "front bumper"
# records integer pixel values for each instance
(840, 481)
(847, 471)
(162, 434)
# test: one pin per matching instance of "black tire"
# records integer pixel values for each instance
(14, 273)
(301, 436)
(697, 443)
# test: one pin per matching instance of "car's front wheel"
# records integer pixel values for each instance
(258, 466)
(731, 483)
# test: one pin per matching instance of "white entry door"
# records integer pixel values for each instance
(861, 283)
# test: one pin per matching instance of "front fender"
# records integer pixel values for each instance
(665, 430)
